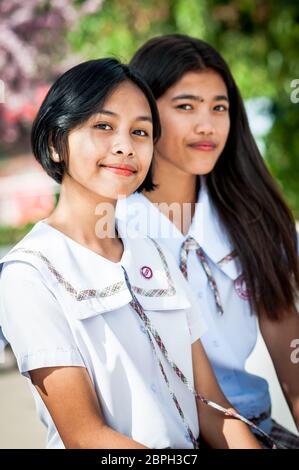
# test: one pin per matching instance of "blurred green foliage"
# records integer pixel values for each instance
(11, 235)
(259, 39)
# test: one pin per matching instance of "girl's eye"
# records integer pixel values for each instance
(104, 126)
(140, 132)
(221, 107)
(185, 106)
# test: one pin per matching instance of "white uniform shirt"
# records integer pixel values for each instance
(232, 336)
(61, 304)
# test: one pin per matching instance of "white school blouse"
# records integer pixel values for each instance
(232, 336)
(61, 304)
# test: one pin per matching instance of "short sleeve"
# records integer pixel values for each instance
(197, 324)
(33, 321)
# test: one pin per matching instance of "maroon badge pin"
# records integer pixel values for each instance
(241, 287)
(146, 272)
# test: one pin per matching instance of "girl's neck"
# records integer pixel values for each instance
(88, 219)
(174, 186)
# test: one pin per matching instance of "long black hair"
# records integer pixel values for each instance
(72, 99)
(259, 223)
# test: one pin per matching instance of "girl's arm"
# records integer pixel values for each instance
(70, 398)
(218, 430)
(281, 338)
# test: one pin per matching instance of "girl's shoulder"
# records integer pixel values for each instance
(39, 241)
(36, 241)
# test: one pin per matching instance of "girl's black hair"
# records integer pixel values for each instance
(260, 225)
(73, 98)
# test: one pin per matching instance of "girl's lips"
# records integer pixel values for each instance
(119, 171)
(203, 146)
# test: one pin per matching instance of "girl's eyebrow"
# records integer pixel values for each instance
(185, 96)
(111, 113)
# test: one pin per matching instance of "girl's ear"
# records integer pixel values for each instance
(53, 154)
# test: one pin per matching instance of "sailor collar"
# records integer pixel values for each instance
(91, 282)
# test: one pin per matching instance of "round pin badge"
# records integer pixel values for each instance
(146, 272)
(241, 287)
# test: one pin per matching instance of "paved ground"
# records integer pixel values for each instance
(20, 427)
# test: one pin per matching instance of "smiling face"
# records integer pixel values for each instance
(195, 122)
(109, 155)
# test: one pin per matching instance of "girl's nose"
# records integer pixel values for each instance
(204, 128)
(204, 124)
(123, 149)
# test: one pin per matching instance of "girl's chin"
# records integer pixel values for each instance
(114, 194)
(203, 168)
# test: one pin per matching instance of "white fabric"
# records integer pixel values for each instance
(231, 337)
(48, 325)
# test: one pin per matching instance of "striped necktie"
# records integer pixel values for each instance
(191, 245)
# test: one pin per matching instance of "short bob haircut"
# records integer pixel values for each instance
(73, 98)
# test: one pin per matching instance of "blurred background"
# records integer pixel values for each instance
(41, 39)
